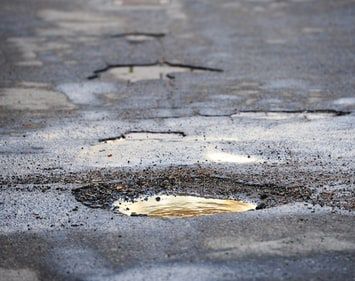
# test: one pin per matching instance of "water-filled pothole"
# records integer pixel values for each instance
(141, 2)
(152, 71)
(178, 206)
(106, 188)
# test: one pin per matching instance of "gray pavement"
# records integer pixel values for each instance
(248, 99)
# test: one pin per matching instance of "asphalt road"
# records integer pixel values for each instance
(251, 100)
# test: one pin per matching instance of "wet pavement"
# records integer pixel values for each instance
(105, 101)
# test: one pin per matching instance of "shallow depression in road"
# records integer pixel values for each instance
(170, 206)
(154, 71)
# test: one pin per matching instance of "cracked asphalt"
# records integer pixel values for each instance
(109, 99)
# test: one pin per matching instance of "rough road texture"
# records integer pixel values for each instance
(104, 99)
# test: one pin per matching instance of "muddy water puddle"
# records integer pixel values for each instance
(141, 2)
(171, 206)
(138, 73)
(155, 71)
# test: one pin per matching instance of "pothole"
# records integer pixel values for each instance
(146, 135)
(154, 71)
(133, 186)
(139, 37)
(180, 206)
(141, 2)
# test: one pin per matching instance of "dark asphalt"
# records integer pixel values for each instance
(248, 99)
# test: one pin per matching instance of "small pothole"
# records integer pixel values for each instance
(179, 206)
(141, 2)
(153, 71)
(138, 37)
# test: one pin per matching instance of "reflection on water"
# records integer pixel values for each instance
(140, 2)
(225, 157)
(169, 206)
(148, 72)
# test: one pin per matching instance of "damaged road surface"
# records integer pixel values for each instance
(155, 71)
(177, 140)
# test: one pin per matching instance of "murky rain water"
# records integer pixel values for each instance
(169, 206)
(149, 72)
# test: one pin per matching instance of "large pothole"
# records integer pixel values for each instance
(176, 182)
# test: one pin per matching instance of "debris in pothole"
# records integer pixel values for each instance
(188, 181)
(171, 206)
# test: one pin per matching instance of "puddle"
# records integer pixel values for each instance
(224, 157)
(134, 73)
(169, 206)
(141, 2)
(137, 73)
(139, 37)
